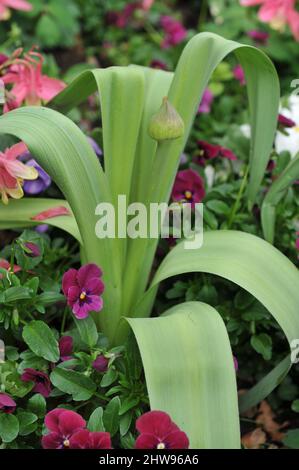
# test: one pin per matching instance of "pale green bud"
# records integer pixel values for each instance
(166, 124)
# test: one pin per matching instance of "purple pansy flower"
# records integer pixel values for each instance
(41, 183)
(101, 363)
(207, 100)
(66, 348)
(283, 121)
(41, 381)
(209, 151)
(84, 439)
(83, 289)
(62, 424)
(7, 404)
(188, 187)
(96, 148)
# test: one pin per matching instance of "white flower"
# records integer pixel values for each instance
(289, 142)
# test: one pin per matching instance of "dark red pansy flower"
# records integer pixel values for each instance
(157, 431)
(83, 289)
(188, 187)
(85, 439)
(62, 424)
(158, 64)
(66, 348)
(283, 121)
(260, 37)
(7, 404)
(297, 241)
(174, 31)
(209, 151)
(101, 363)
(41, 381)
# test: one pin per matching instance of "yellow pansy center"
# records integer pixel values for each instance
(83, 295)
(161, 445)
(188, 195)
(66, 443)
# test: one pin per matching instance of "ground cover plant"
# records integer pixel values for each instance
(119, 341)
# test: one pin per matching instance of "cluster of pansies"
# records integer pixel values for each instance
(67, 429)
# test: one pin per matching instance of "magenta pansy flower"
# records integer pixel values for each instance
(297, 241)
(85, 439)
(66, 348)
(174, 31)
(62, 424)
(206, 102)
(7, 404)
(283, 121)
(83, 289)
(101, 363)
(157, 431)
(188, 187)
(239, 74)
(209, 151)
(41, 381)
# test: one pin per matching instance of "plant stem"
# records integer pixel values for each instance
(63, 320)
(239, 197)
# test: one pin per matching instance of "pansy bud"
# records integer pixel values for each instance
(32, 250)
(166, 124)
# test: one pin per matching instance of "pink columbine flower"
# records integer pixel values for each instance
(15, 5)
(239, 74)
(4, 264)
(13, 172)
(147, 4)
(62, 424)
(206, 102)
(7, 404)
(83, 289)
(174, 31)
(101, 363)
(51, 213)
(157, 431)
(85, 439)
(259, 37)
(29, 84)
(209, 151)
(66, 345)
(277, 13)
(41, 381)
(188, 187)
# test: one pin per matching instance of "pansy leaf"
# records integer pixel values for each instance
(9, 427)
(73, 383)
(41, 340)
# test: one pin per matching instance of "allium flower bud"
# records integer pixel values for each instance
(166, 124)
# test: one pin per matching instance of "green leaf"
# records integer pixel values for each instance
(47, 31)
(275, 194)
(109, 377)
(37, 405)
(189, 372)
(248, 261)
(295, 406)
(18, 214)
(263, 345)
(41, 340)
(9, 427)
(219, 207)
(27, 422)
(292, 439)
(14, 294)
(49, 298)
(111, 416)
(95, 422)
(74, 383)
(87, 330)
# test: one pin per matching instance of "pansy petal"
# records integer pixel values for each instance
(176, 440)
(95, 286)
(99, 440)
(52, 419)
(155, 422)
(95, 303)
(52, 441)
(80, 439)
(87, 272)
(73, 295)
(69, 280)
(70, 422)
(81, 311)
(146, 441)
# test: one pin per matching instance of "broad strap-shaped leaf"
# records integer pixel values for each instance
(190, 374)
(253, 264)
(275, 194)
(19, 214)
(64, 152)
